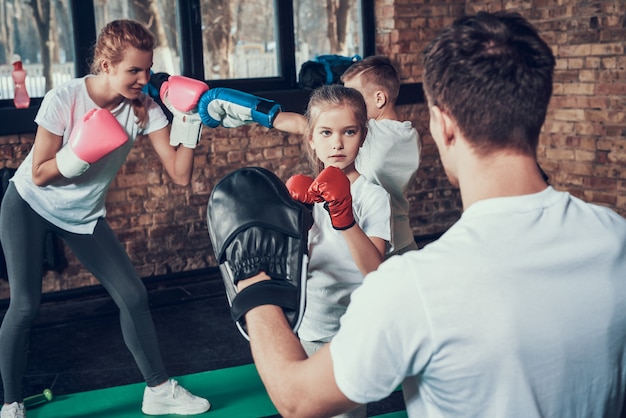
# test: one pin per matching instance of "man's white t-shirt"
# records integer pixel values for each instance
(518, 310)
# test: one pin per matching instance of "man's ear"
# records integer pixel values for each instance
(445, 125)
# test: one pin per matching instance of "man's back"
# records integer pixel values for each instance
(519, 310)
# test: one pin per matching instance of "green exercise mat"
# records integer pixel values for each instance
(233, 392)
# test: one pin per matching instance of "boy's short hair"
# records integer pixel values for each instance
(493, 74)
(378, 71)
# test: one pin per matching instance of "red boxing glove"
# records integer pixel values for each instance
(298, 186)
(333, 187)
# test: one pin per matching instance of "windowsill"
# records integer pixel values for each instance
(20, 121)
(296, 100)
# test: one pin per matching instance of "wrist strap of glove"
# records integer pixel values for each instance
(269, 292)
(186, 130)
(68, 164)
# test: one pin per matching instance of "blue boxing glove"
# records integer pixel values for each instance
(233, 108)
(153, 88)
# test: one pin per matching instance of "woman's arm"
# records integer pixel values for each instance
(178, 162)
(45, 170)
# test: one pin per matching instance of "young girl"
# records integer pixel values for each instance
(351, 227)
(86, 128)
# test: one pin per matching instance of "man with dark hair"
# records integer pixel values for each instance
(518, 310)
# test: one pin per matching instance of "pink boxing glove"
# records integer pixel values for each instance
(184, 92)
(180, 95)
(95, 135)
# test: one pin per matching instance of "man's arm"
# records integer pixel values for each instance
(298, 386)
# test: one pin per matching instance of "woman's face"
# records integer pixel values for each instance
(336, 137)
(128, 77)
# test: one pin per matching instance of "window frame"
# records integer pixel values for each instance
(283, 88)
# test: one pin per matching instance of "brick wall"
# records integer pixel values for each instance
(582, 148)
(583, 145)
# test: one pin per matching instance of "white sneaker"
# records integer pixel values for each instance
(14, 410)
(171, 398)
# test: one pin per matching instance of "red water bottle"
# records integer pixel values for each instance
(20, 98)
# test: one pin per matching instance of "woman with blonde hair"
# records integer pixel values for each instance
(86, 128)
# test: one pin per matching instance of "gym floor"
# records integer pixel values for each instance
(76, 343)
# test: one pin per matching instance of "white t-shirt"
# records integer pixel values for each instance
(390, 158)
(76, 204)
(332, 272)
(518, 310)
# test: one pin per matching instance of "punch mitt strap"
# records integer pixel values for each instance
(255, 226)
(269, 292)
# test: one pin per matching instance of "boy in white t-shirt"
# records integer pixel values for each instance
(391, 152)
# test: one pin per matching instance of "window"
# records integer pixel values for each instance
(239, 39)
(42, 38)
(243, 41)
(251, 45)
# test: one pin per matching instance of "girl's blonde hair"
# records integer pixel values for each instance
(327, 98)
(113, 41)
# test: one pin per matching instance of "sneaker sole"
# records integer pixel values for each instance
(164, 410)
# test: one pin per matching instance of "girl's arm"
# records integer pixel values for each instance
(367, 252)
(45, 170)
(178, 162)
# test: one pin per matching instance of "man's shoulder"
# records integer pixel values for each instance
(585, 209)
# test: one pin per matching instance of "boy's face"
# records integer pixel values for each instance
(369, 96)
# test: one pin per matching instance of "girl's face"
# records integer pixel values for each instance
(336, 137)
(129, 76)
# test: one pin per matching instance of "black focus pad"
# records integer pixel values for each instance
(255, 226)
(257, 249)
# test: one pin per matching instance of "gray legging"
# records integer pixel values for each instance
(22, 233)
